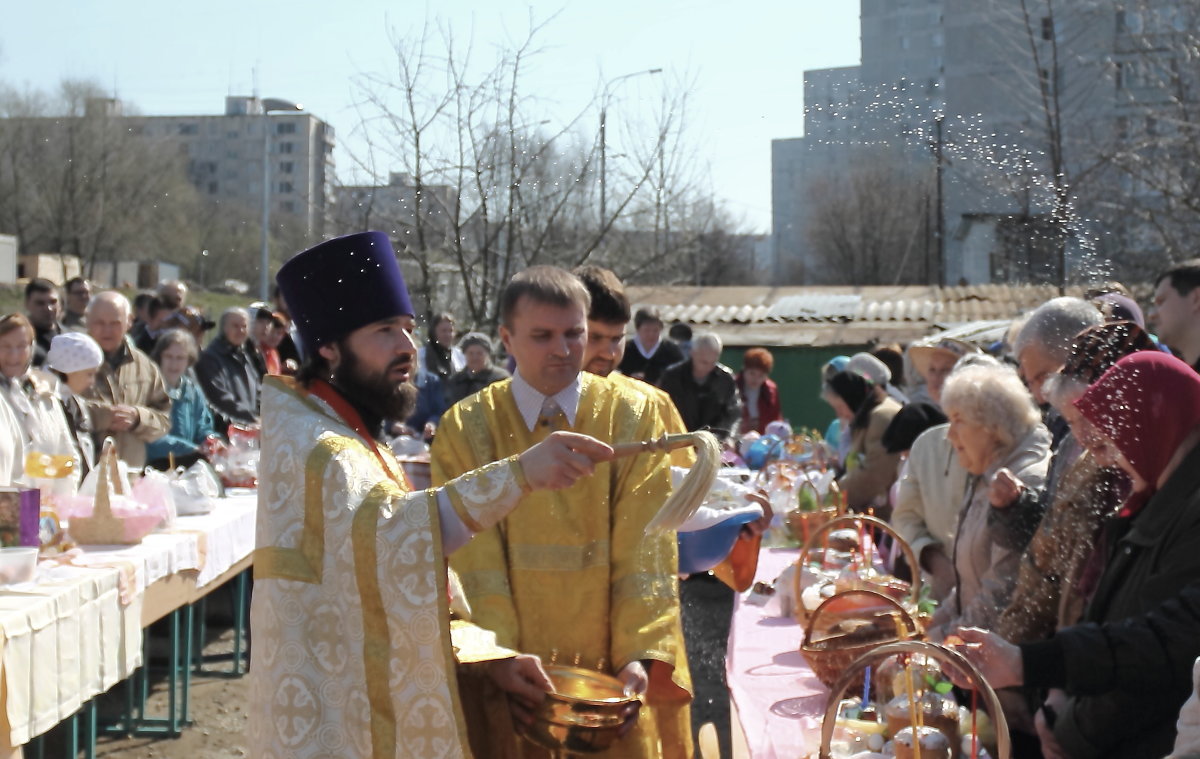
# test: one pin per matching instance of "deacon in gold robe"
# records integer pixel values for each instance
(571, 575)
(355, 655)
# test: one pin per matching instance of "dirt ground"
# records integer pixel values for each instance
(217, 710)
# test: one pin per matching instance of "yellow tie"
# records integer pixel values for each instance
(552, 416)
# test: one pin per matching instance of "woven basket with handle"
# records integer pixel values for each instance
(860, 522)
(851, 680)
(829, 657)
(103, 527)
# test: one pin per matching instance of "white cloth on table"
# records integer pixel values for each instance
(64, 640)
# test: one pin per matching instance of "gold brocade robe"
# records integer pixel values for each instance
(668, 414)
(353, 654)
(573, 571)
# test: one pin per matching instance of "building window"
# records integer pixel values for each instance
(212, 188)
(286, 167)
(186, 129)
(285, 147)
(1047, 28)
(232, 155)
(286, 127)
(285, 187)
(288, 206)
(232, 134)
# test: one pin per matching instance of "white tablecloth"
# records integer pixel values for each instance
(67, 637)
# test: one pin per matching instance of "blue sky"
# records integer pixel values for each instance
(746, 59)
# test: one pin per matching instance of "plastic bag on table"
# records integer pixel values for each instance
(237, 462)
(196, 489)
(154, 487)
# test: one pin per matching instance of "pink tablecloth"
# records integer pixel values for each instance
(778, 698)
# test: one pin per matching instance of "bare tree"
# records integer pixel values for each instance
(483, 186)
(74, 181)
(869, 221)
(1156, 187)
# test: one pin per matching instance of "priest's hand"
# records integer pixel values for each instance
(561, 459)
(525, 682)
(636, 680)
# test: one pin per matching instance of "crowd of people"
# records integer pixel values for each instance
(1045, 483)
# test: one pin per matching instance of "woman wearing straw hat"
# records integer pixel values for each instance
(934, 361)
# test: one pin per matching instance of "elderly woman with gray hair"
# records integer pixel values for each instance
(994, 425)
(479, 371)
(228, 374)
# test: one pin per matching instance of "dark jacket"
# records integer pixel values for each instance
(634, 364)
(714, 404)
(41, 343)
(431, 400)
(769, 409)
(230, 380)
(466, 382)
(1128, 665)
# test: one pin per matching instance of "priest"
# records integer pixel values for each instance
(570, 574)
(355, 652)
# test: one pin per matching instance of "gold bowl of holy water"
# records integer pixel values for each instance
(582, 715)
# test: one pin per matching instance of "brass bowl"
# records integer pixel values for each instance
(582, 715)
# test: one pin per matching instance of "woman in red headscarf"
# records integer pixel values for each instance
(1125, 670)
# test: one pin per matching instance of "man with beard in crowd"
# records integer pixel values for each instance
(355, 651)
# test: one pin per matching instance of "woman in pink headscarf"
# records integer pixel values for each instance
(1119, 677)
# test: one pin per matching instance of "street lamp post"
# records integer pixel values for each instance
(603, 129)
(268, 105)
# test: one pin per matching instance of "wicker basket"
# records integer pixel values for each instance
(829, 658)
(103, 527)
(861, 522)
(852, 678)
(803, 524)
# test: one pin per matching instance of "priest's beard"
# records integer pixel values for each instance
(373, 391)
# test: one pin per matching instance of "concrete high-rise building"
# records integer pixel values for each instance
(224, 156)
(1015, 103)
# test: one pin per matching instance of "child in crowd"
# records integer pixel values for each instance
(74, 359)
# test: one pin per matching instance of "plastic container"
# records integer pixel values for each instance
(702, 550)
(17, 564)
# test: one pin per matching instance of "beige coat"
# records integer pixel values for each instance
(867, 482)
(986, 559)
(134, 381)
(930, 494)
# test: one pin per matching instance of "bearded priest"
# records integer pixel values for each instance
(355, 654)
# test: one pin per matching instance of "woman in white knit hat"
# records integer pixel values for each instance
(74, 358)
